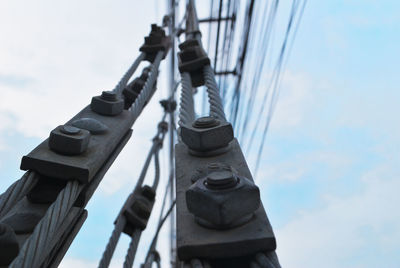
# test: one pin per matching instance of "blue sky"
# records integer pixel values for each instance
(330, 170)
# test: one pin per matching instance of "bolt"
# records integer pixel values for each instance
(221, 180)
(109, 95)
(70, 130)
(205, 122)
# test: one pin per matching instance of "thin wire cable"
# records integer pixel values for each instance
(36, 245)
(218, 32)
(241, 64)
(266, 30)
(16, 192)
(156, 170)
(216, 107)
(224, 44)
(229, 50)
(112, 242)
(275, 95)
(204, 99)
(124, 80)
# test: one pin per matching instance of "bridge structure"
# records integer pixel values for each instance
(214, 207)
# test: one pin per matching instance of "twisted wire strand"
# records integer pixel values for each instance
(130, 255)
(32, 251)
(156, 169)
(16, 192)
(261, 260)
(266, 260)
(216, 107)
(124, 80)
(112, 242)
(148, 87)
(121, 220)
(186, 109)
(152, 249)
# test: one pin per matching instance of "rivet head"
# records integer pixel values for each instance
(70, 130)
(109, 95)
(205, 122)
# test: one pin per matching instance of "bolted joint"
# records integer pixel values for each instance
(207, 136)
(69, 140)
(192, 59)
(137, 209)
(108, 103)
(222, 199)
(168, 105)
(163, 126)
(156, 41)
(8, 244)
(134, 88)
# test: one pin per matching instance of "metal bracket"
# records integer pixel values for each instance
(84, 166)
(196, 241)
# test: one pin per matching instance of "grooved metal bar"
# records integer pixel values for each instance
(186, 110)
(34, 248)
(16, 192)
(216, 107)
(124, 80)
(112, 242)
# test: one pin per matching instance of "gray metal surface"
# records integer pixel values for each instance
(82, 167)
(194, 240)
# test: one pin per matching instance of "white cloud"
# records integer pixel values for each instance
(344, 231)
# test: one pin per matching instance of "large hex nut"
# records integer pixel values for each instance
(192, 58)
(207, 139)
(69, 140)
(223, 208)
(107, 104)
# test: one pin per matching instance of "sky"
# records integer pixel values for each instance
(329, 176)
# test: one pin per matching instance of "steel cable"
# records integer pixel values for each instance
(124, 80)
(216, 107)
(32, 251)
(112, 242)
(148, 87)
(186, 109)
(16, 192)
(265, 260)
(121, 220)
(133, 245)
(149, 257)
